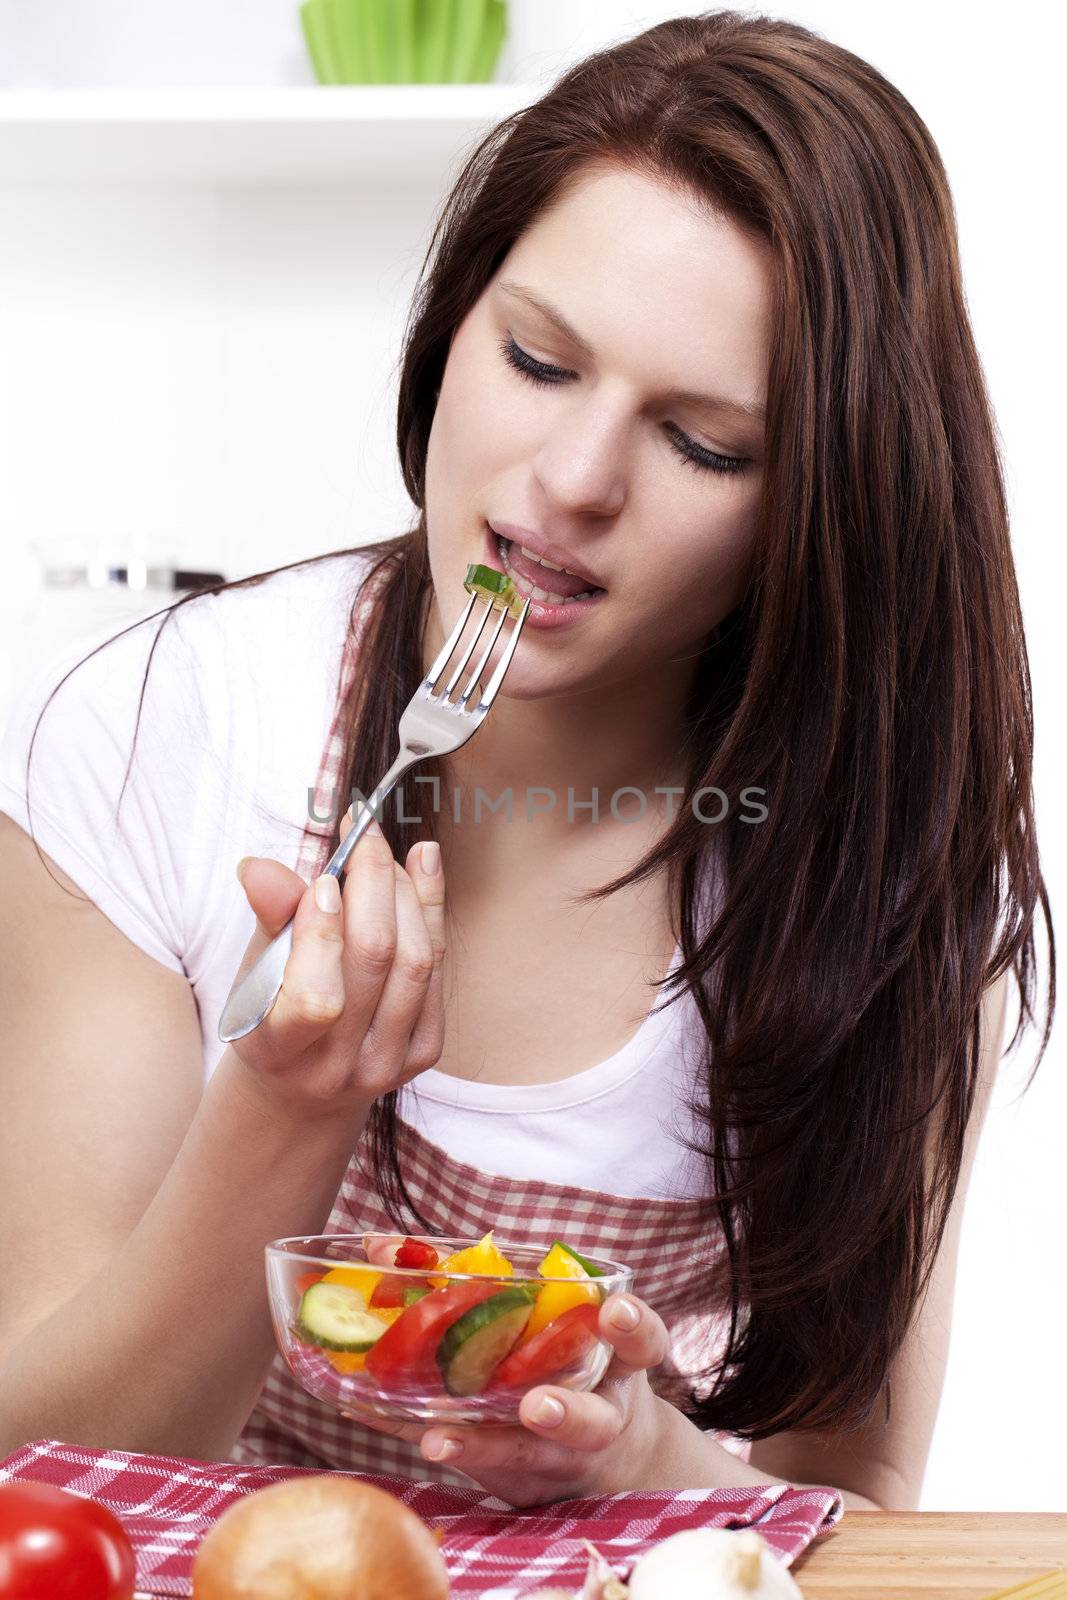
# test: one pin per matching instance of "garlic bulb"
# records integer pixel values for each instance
(711, 1564)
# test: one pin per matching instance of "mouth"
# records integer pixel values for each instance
(544, 584)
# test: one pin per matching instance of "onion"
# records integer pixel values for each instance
(319, 1538)
(711, 1564)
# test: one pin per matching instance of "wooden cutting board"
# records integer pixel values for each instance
(932, 1555)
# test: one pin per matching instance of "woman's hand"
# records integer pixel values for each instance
(604, 1441)
(361, 1008)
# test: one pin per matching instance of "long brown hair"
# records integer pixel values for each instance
(874, 680)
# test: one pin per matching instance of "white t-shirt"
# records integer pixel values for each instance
(236, 712)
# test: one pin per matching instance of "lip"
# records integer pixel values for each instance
(551, 552)
(540, 614)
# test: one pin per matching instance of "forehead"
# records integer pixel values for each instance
(642, 267)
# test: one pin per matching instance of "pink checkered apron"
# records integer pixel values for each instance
(660, 1239)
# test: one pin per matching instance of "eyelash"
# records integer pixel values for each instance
(693, 454)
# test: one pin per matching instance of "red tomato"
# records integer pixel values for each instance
(389, 1290)
(305, 1280)
(566, 1339)
(413, 1253)
(59, 1546)
(406, 1352)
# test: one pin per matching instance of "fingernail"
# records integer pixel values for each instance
(241, 865)
(624, 1315)
(374, 827)
(327, 893)
(548, 1412)
(431, 858)
(445, 1449)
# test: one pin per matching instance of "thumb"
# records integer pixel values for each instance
(273, 891)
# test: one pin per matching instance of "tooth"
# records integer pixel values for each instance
(525, 587)
(533, 556)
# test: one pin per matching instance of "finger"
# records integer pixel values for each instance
(347, 822)
(381, 1248)
(581, 1421)
(370, 930)
(404, 992)
(487, 1448)
(637, 1347)
(428, 1036)
(273, 891)
(312, 995)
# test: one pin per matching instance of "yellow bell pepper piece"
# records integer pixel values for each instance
(481, 1257)
(552, 1301)
(559, 1263)
(363, 1279)
(345, 1361)
(555, 1298)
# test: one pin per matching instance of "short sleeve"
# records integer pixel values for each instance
(131, 859)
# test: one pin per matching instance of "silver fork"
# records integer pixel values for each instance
(432, 725)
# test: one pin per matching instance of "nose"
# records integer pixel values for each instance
(580, 467)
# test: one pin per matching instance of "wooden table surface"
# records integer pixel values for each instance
(932, 1555)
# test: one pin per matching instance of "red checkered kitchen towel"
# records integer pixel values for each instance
(167, 1505)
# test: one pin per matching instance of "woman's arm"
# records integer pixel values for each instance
(135, 1207)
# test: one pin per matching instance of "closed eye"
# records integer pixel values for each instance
(540, 373)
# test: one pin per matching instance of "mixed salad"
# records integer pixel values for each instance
(428, 1332)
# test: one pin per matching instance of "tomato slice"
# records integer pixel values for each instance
(566, 1340)
(407, 1352)
(305, 1280)
(413, 1253)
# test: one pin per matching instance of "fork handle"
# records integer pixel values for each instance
(250, 999)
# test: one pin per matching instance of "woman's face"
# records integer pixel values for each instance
(667, 300)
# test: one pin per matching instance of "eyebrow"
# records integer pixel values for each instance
(707, 402)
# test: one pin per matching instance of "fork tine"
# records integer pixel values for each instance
(505, 661)
(476, 675)
(458, 673)
(449, 645)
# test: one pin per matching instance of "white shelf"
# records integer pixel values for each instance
(378, 134)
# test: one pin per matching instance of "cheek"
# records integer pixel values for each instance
(470, 427)
(718, 558)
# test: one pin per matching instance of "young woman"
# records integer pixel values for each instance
(692, 329)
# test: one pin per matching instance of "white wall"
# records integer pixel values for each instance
(213, 374)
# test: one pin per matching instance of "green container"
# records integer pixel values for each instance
(403, 41)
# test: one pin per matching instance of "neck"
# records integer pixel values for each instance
(557, 752)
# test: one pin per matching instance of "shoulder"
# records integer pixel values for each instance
(184, 676)
(282, 604)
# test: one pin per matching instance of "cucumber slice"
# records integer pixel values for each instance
(494, 586)
(478, 1341)
(335, 1317)
(411, 1295)
(594, 1272)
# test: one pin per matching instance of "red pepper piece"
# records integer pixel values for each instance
(305, 1280)
(566, 1339)
(413, 1253)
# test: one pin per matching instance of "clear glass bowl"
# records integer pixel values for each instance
(464, 1348)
